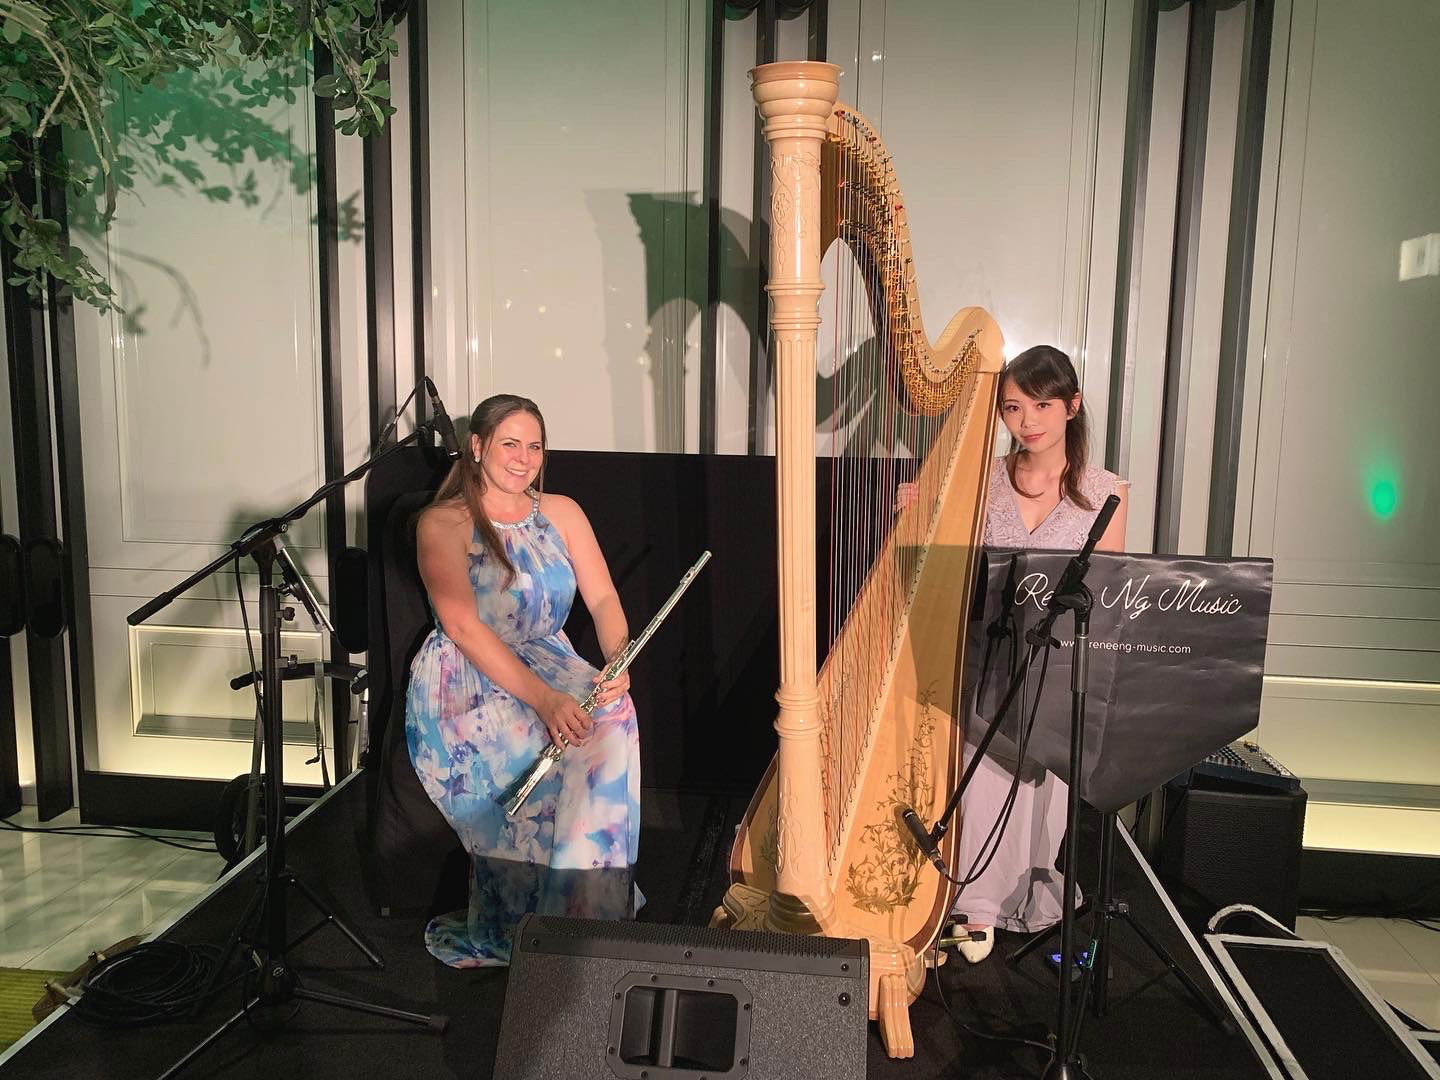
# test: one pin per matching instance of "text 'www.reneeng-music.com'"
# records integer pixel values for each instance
(1131, 646)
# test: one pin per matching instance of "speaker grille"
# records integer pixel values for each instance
(1227, 846)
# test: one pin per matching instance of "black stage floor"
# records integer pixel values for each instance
(1152, 1029)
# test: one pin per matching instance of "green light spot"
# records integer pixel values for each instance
(1384, 498)
(1383, 487)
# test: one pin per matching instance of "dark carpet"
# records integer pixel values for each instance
(1152, 1028)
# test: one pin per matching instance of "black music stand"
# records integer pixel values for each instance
(1069, 595)
(1127, 768)
(278, 983)
(1140, 757)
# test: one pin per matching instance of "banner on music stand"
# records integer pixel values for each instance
(1177, 655)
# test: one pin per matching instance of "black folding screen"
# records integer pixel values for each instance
(704, 687)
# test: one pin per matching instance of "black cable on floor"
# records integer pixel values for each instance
(152, 982)
(989, 1036)
(1418, 907)
(1375, 912)
(117, 832)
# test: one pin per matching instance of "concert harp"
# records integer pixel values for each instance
(879, 726)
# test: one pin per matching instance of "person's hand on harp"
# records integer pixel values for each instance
(906, 494)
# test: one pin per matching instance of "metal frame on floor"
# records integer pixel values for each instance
(1221, 944)
(1237, 1013)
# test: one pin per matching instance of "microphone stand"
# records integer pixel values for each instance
(278, 984)
(1070, 595)
(1065, 1063)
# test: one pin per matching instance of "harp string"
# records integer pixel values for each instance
(878, 438)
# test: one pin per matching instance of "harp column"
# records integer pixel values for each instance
(797, 100)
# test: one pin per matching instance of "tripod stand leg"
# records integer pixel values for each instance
(209, 1040)
(1040, 936)
(1216, 1016)
(436, 1022)
(335, 920)
(1100, 962)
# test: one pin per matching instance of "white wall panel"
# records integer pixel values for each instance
(1314, 726)
(740, 314)
(578, 127)
(461, 378)
(1147, 342)
(201, 401)
(577, 119)
(1344, 495)
(980, 112)
(1196, 430)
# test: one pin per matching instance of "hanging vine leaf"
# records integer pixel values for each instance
(63, 65)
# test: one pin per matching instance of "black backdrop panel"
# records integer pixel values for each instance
(704, 687)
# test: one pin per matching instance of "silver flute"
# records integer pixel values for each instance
(519, 791)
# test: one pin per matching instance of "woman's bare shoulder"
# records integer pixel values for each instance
(559, 508)
(439, 519)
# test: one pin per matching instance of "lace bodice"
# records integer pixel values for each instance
(1064, 529)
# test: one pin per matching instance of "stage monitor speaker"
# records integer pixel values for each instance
(643, 1001)
(1232, 844)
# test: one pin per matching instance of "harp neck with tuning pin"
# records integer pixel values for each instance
(822, 848)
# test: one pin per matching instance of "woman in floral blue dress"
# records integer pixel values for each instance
(497, 679)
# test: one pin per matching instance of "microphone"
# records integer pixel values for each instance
(923, 840)
(1073, 576)
(1102, 522)
(441, 423)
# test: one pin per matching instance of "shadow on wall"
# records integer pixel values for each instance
(855, 397)
(209, 133)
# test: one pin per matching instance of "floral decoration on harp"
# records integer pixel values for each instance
(889, 874)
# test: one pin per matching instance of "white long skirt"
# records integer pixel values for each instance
(1020, 889)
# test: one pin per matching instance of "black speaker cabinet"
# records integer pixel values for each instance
(1232, 844)
(641, 1001)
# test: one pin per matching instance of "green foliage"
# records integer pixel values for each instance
(63, 62)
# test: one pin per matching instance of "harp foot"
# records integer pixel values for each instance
(893, 1012)
(745, 907)
(787, 915)
(742, 908)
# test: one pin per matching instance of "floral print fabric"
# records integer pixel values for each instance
(571, 848)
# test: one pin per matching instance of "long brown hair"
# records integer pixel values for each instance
(466, 479)
(1041, 373)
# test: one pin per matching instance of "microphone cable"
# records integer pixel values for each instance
(115, 832)
(379, 442)
(150, 983)
(974, 1032)
(990, 846)
(984, 857)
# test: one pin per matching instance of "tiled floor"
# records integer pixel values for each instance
(1399, 958)
(62, 896)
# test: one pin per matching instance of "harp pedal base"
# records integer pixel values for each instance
(745, 907)
(896, 972)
